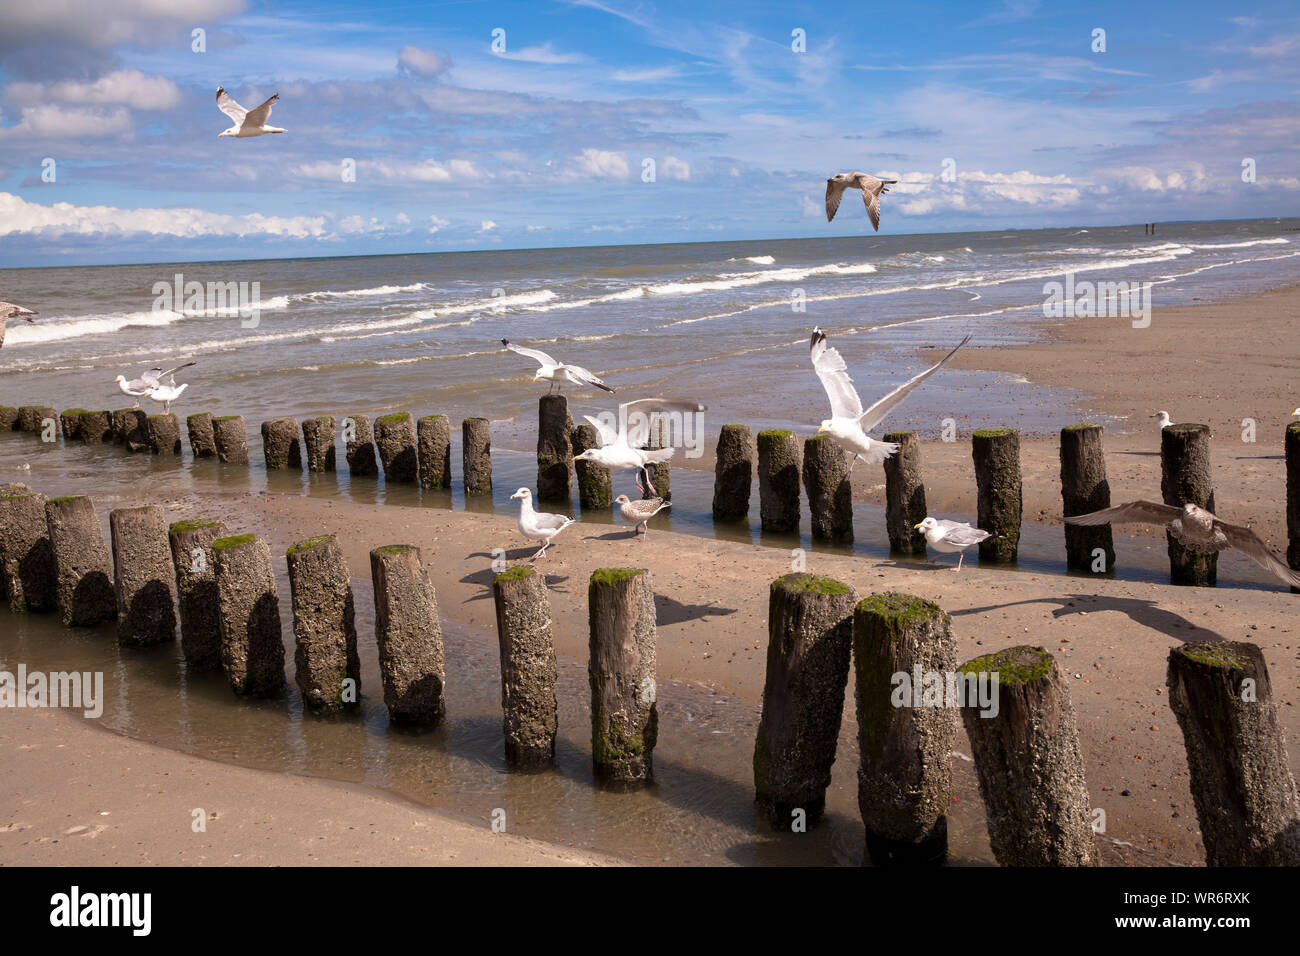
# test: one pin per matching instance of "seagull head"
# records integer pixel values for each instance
(227, 132)
(120, 380)
(1295, 413)
(925, 525)
(587, 455)
(621, 500)
(522, 493)
(826, 427)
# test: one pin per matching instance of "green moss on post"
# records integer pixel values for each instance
(233, 541)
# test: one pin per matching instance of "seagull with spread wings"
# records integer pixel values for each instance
(557, 373)
(620, 447)
(871, 189)
(8, 310)
(848, 423)
(247, 122)
(1197, 530)
(149, 381)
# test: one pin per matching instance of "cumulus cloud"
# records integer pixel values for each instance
(674, 168)
(394, 171)
(52, 121)
(421, 62)
(599, 164)
(96, 25)
(126, 87)
(437, 222)
(487, 225)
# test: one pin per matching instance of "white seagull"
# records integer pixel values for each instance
(7, 311)
(848, 423)
(619, 447)
(1164, 421)
(640, 512)
(948, 537)
(871, 189)
(146, 383)
(1295, 413)
(247, 122)
(166, 394)
(557, 373)
(1197, 530)
(538, 526)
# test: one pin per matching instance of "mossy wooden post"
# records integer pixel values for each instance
(621, 671)
(1027, 758)
(164, 433)
(318, 442)
(131, 429)
(146, 578)
(1236, 751)
(95, 428)
(660, 473)
(830, 496)
(997, 479)
(202, 435)
(8, 418)
(84, 592)
(1084, 489)
(252, 650)
(1185, 477)
(70, 423)
(904, 496)
(528, 706)
(778, 481)
(359, 446)
(733, 473)
(809, 643)
(433, 435)
(476, 456)
(196, 590)
(232, 440)
(27, 571)
(595, 482)
(280, 445)
(28, 419)
(395, 439)
(905, 741)
(554, 452)
(409, 636)
(327, 668)
(1293, 495)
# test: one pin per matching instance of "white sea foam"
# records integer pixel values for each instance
(363, 293)
(490, 304)
(757, 260)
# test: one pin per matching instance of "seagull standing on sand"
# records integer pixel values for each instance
(538, 526)
(871, 189)
(7, 311)
(1164, 421)
(848, 423)
(1197, 530)
(948, 537)
(640, 512)
(619, 447)
(247, 122)
(557, 373)
(150, 380)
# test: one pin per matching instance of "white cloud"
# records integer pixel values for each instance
(54, 121)
(645, 76)
(487, 225)
(674, 168)
(599, 164)
(397, 171)
(127, 87)
(437, 222)
(542, 54)
(421, 62)
(98, 25)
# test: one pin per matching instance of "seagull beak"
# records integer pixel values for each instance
(820, 429)
(916, 527)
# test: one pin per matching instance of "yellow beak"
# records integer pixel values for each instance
(916, 527)
(820, 429)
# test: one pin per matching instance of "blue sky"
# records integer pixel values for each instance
(546, 143)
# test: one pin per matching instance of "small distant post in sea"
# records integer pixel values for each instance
(1084, 489)
(1292, 443)
(1185, 477)
(280, 445)
(778, 481)
(145, 576)
(395, 439)
(828, 489)
(476, 456)
(359, 446)
(904, 496)
(996, 452)
(27, 573)
(409, 636)
(528, 674)
(131, 428)
(202, 434)
(733, 473)
(327, 668)
(433, 435)
(95, 428)
(164, 433)
(621, 672)
(252, 654)
(318, 441)
(554, 452)
(595, 482)
(231, 438)
(196, 590)
(84, 589)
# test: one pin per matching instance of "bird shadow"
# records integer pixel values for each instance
(1138, 610)
(671, 611)
(619, 535)
(1142, 454)
(483, 577)
(1261, 458)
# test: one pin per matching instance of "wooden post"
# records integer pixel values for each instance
(327, 668)
(164, 434)
(809, 643)
(409, 636)
(595, 482)
(280, 445)
(131, 428)
(70, 423)
(1185, 477)
(830, 495)
(733, 473)
(659, 472)
(1084, 489)
(27, 573)
(997, 477)
(476, 455)
(203, 439)
(232, 442)
(1236, 751)
(778, 481)
(904, 496)
(1293, 496)
(146, 579)
(621, 672)
(252, 652)
(433, 435)
(318, 440)
(84, 590)
(395, 439)
(196, 590)
(554, 453)
(359, 446)
(95, 428)
(8, 418)
(529, 710)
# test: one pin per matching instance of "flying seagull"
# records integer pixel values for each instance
(640, 512)
(1197, 530)
(557, 373)
(871, 189)
(538, 526)
(9, 310)
(150, 380)
(1164, 421)
(848, 423)
(619, 448)
(247, 122)
(948, 537)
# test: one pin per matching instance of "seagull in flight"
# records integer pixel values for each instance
(620, 448)
(149, 381)
(9, 310)
(848, 423)
(557, 373)
(871, 189)
(247, 122)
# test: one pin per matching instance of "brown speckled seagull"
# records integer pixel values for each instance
(640, 512)
(871, 189)
(7, 311)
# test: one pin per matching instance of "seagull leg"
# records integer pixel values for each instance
(648, 482)
(848, 475)
(961, 556)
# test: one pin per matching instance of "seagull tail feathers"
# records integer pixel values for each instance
(879, 451)
(659, 454)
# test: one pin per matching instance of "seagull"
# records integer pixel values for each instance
(9, 310)
(538, 526)
(1197, 530)
(1164, 421)
(1295, 413)
(948, 537)
(247, 122)
(848, 423)
(871, 189)
(640, 512)
(166, 394)
(557, 373)
(618, 448)
(138, 387)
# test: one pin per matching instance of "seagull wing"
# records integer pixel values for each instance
(1249, 544)
(550, 522)
(151, 377)
(643, 408)
(537, 356)
(830, 368)
(172, 371)
(1144, 512)
(872, 200)
(8, 309)
(608, 436)
(874, 415)
(579, 372)
(259, 115)
(834, 191)
(962, 534)
(227, 105)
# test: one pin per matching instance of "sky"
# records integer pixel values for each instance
(462, 125)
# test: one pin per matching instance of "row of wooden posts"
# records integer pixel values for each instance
(1026, 748)
(419, 451)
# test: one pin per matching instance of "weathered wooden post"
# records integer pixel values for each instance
(1084, 489)
(621, 672)
(132, 429)
(409, 636)
(477, 456)
(830, 495)
(84, 590)
(27, 573)
(252, 651)
(8, 418)
(433, 433)
(902, 646)
(70, 423)
(359, 446)
(1026, 750)
(904, 496)
(196, 590)
(202, 435)
(231, 439)
(95, 428)
(997, 478)
(1293, 495)
(595, 482)
(733, 473)
(1236, 751)
(146, 579)
(529, 711)
(33, 419)
(318, 440)
(164, 434)
(280, 445)
(809, 643)
(1185, 477)
(660, 473)
(778, 481)
(328, 670)
(554, 453)
(395, 439)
